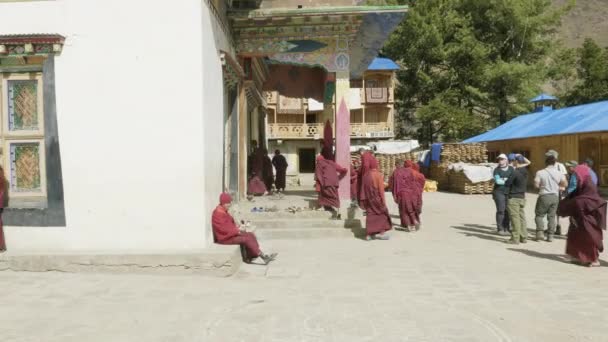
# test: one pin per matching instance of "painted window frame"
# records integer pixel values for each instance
(10, 137)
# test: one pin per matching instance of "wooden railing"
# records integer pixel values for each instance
(315, 130)
(295, 131)
(371, 130)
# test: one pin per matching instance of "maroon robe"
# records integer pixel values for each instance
(256, 184)
(267, 173)
(226, 232)
(353, 183)
(377, 220)
(280, 165)
(421, 181)
(587, 211)
(367, 159)
(405, 191)
(328, 174)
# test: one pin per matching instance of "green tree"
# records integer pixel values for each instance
(592, 71)
(482, 58)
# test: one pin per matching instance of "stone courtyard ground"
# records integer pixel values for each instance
(453, 281)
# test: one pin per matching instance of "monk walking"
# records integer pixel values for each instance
(405, 189)
(226, 232)
(354, 186)
(280, 166)
(366, 158)
(587, 211)
(328, 175)
(378, 220)
(421, 181)
(256, 184)
(267, 175)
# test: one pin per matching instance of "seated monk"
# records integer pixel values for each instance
(226, 232)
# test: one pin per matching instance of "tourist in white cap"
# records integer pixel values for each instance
(501, 175)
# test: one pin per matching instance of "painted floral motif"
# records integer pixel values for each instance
(23, 105)
(25, 167)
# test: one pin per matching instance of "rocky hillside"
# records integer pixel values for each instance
(589, 18)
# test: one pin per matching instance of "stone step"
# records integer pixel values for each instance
(283, 215)
(298, 223)
(215, 261)
(304, 233)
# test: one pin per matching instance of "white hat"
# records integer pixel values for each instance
(502, 156)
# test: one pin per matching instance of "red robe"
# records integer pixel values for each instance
(377, 220)
(367, 159)
(354, 188)
(405, 189)
(267, 173)
(256, 184)
(328, 174)
(421, 180)
(587, 211)
(226, 232)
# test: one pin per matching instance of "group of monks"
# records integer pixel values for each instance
(367, 188)
(261, 176)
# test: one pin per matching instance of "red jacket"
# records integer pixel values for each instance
(223, 224)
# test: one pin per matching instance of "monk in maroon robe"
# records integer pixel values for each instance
(405, 189)
(421, 181)
(354, 187)
(378, 220)
(227, 232)
(587, 211)
(2, 193)
(328, 175)
(256, 184)
(280, 165)
(267, 174)
(366, 159)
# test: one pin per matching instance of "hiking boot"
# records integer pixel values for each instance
(503, 233)
(558, 231)
(549, 237)
(513, 242)
(540, 236)
(523, 240)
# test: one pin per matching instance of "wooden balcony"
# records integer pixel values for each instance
(371, 130)
(295, 131)
(315, 130)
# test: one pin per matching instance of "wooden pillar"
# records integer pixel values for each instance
(343, 131)
(242, 142)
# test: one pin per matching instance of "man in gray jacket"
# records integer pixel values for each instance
(549, 181)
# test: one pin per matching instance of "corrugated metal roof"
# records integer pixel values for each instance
(592, 117)
(383, 64)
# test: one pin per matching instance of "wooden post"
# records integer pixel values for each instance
(343, 130)
(242, 142)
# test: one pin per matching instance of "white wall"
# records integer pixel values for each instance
(140, 122)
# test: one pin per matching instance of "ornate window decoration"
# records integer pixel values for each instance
(23, 158)
(29, 145)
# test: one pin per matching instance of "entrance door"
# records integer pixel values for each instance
(306, 160)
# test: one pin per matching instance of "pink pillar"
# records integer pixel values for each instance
(343, 146)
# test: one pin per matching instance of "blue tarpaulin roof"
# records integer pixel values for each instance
(592, 117)
(380, 63)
